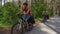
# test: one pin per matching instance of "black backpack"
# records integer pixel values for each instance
(31, 20)
(47, 16)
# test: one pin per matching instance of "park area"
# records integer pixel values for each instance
(9, 8)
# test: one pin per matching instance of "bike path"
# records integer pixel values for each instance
(54, 23)
(41, 29)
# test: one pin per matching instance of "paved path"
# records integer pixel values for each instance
(52, 26)
(4, 31)
(54, 23)
(41, 29)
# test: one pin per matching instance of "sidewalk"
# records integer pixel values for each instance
(54, 23)
(41, 29)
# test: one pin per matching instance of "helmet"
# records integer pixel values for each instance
(25, 3)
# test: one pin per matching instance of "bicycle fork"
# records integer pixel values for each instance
(19, 25)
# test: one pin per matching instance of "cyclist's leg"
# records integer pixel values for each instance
(26, 18)
(44, 18)
(19, 27)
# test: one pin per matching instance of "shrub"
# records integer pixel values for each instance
(8, 13)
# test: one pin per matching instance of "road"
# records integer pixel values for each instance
(52, 26)
(54, 23)
(41, 29)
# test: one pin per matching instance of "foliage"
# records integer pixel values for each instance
(59, 14)
(9, 10)
(8, 13)
(38, 7)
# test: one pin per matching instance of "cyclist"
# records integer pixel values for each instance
(27, 12)
(45, 15)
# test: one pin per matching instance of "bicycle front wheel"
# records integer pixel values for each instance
(17, 29)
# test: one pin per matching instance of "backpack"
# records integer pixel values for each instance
(31, 20)
(47, 16)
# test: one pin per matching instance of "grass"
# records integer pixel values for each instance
(8, 26)
(4, 25)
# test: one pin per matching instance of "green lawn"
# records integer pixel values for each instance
(4, 25)
(7, 25)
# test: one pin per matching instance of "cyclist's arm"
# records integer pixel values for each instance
(17, 13)
(28, 10)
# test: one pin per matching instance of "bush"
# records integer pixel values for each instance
(9, 10)
(59, 14)
(8, 13)
(38, 8)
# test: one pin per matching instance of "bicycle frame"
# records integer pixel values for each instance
(20, 23)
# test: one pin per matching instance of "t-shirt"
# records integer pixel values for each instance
(27, 9)
(45, 13)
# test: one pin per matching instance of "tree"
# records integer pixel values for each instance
(19, 3)
(52, 6)
(13, 1)
(1, 2)
(4, 1)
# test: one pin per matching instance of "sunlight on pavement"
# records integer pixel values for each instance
(44, 28)
(51, 21)
(54, 23)
(41, 29)
(59, 21)
(54, 18)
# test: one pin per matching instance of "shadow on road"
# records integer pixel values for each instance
(54, 23)
(36, 30)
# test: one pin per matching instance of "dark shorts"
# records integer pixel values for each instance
(46, 16)
(26, 17)
(30, 19)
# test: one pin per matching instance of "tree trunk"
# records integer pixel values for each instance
(13, 1)
(4, 2)
(52, 7)
(1, 2)
(19, 3)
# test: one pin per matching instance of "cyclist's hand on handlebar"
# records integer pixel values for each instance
(17, 13)
(24, 13)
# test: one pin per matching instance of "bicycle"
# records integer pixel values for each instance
(20, 26)
(45, 18)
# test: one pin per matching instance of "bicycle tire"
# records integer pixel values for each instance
(17, 31)
(30, 27)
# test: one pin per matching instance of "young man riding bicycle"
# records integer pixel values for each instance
(45, 15)
(27, 11)
(25, 23)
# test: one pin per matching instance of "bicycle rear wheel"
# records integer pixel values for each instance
(17, 29)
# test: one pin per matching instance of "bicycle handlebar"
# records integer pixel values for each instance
(20, 15)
